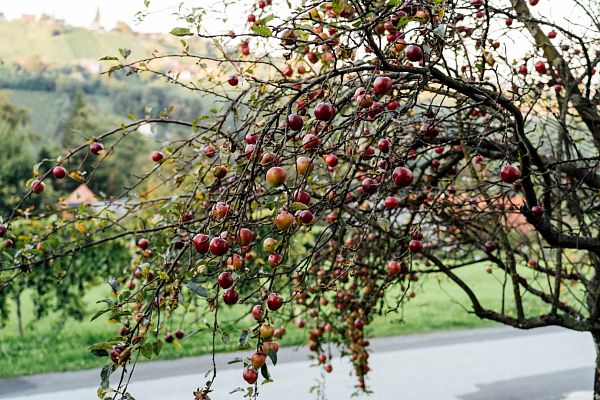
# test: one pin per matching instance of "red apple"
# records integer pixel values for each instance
(295, 122)
(284, 220)
(96, 147)
(257, 312)
(218, 246)
(382, 85)
(331, 160)
(510, 173)
(402, 176)
(201, 242)
(59, 172)
(414, 53)
(391, 202)
(245, 236)
(250, 375)
(233, 80)
(157, 156)
(276, 176)
(415, 246)
(324, 111)
(37, 186)
(225, 280)
(230, 296)
(274, 302)
(143, 243)
(384, 145)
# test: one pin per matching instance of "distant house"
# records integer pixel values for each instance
(82, 195)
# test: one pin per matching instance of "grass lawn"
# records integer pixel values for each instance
(50, 345)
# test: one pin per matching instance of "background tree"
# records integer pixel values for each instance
(393, 140)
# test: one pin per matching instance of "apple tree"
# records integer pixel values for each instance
(354, 147)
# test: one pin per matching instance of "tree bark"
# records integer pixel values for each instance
(596, 336)
(19, 316)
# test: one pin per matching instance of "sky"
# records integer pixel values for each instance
(82, 12)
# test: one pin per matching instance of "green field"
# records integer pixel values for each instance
(51, 345)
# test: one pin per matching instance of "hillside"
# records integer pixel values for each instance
(51, 42)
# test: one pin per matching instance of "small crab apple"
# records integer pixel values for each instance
(250, 375)
(257, 312)
(384, 145)
(302, 197)
(331, 160)
(324, 111)
(266, 331)
(270, 245)
(510, 174)
(233, 80)
(414, 53)
(284, 220)
(218, 246)
(274, 259)
(179, 334)
(305, 216)
(276, 176)
(489, 246)
(270, 347)
(274, 302)
(37, 186)
(245, 236)
(382, 85)
(143, 243)
(369, 185)
(415, 246)
(304, 165)
(537, 211)
(59, 172)
(393, 267)
(230, 296)
(258, 359)
(157, 156)
(391, 202)
(3, 229)
(402, 176)
(295, 122)
(225, 280)
(201, 242)
(96, 148)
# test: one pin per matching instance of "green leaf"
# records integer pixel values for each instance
(101, 349)
(105, 374)
(384, 224)
(244, 338)
(148, 350)
(338, 5)
(265, 372)
(298, 206)
(262, 30)
(146, 3)
(114, 284)
(273, 356)
(99, 313)
(158, 346)
(225, 337)
(196, 288)
(393, 3)
(236, 360)
(181, 32)
(124, 52)
(108, 58)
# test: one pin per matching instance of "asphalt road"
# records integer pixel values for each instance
(483, 364)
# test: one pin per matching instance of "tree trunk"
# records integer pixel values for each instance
(596, 336)
(19, 317)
